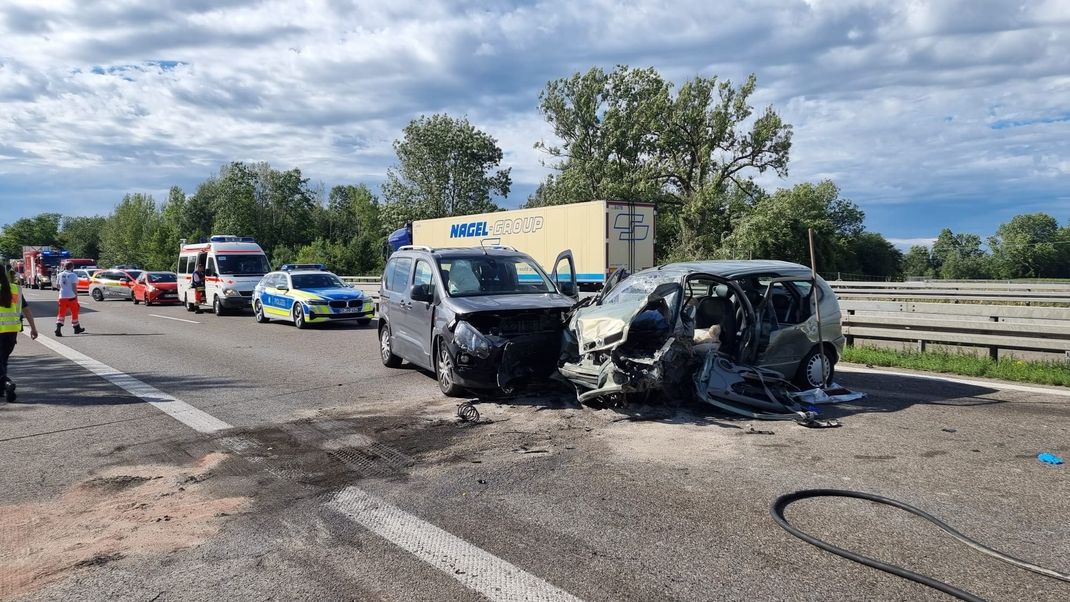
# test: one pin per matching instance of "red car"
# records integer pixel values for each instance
(84, 276)
(155, 287)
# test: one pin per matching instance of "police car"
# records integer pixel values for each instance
(309, 297)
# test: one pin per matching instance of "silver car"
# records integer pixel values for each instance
(653, 329)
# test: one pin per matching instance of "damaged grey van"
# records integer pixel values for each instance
(483, 318)
(678, 327)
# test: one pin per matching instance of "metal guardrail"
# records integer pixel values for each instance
(1032, 317)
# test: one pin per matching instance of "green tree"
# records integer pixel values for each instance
(128, 230)
(959, 256)
(41, 229)
(81, 235)
(445, 167)
(917, 263)
(1029, 246)
(777, 228)
(875, 257)
(624, 135)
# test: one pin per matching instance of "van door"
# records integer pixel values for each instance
(565, 279)
(393, 303)
(211, 281)
(417, 316)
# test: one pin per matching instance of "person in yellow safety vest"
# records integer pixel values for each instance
(12, 307)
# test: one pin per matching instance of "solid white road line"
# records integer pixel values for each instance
(961, 381)
(472, 566)
(181, 411)
(175, 319)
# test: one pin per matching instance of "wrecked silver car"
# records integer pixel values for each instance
(742, 335)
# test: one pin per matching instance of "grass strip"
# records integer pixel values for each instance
(1026, 371)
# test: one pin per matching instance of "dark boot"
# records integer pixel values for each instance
(78, 329)
(59, 331)
(9, 391)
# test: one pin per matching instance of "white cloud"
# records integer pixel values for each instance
(914, 108)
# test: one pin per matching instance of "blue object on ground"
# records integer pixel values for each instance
(1049, 458)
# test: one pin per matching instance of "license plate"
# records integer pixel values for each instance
(350, 310)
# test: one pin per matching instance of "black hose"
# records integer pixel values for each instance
(782, 502)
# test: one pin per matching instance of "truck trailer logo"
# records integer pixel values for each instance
(520, 225)
(630, 226)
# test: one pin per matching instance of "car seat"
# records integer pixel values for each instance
(717, 309)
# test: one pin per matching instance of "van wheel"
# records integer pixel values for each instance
(217, 306)
(258, 313)
(444, 372)
(808, 375)
(386, 350)
(299, 316)
(190, 307)
(97, 295)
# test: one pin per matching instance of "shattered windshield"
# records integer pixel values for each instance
(637, 287)
(492, 275)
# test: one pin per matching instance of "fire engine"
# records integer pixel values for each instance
(40, 264)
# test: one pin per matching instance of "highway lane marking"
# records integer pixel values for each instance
(999, 386)
(473, 567)
(181, 411)
(175, 319)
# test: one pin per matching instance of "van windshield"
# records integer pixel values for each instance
(242, 265)
(492, 275)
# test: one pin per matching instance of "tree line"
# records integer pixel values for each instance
(626, 134)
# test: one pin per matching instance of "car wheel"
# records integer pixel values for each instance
(364, 322)
(444, 372)
(810, 369)
(258, 313)
(299, 316)
(217, 306)
(386, 350)
(134, 299)
(97, 295)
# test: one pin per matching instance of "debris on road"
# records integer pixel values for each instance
(467, 412)
(1049, 458)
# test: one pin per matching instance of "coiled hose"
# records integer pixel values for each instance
(782, 502)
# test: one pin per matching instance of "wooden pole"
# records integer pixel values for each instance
(817, 306)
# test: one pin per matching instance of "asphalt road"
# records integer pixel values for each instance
(338, 479)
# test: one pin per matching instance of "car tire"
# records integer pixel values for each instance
(97, 295)
(258, 313)
(447, 382)
(217, 306)
(136, 302)
(386, 348)
(364, 322)
(298, 315)
(808, 374)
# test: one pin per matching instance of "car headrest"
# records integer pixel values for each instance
(721, 290)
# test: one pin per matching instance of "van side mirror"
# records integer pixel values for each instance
(424, 293)
(567, 288)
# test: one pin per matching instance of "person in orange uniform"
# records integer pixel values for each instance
(68, 301)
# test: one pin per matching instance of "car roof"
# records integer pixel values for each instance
(734, 268)
(302, 272)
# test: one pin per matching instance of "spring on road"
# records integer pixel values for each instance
(467, 412)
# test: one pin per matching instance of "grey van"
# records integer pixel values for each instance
(484, 318)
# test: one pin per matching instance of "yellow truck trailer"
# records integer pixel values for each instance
(603, 235)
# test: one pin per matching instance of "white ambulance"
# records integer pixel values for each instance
(233, 265)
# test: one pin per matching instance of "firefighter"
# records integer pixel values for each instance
(12, 308)
(68, 300)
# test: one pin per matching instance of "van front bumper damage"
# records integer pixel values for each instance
(527, 351)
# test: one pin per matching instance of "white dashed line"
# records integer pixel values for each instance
(473, 567)
(175, 319)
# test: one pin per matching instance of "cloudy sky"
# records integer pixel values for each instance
(927, 114)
